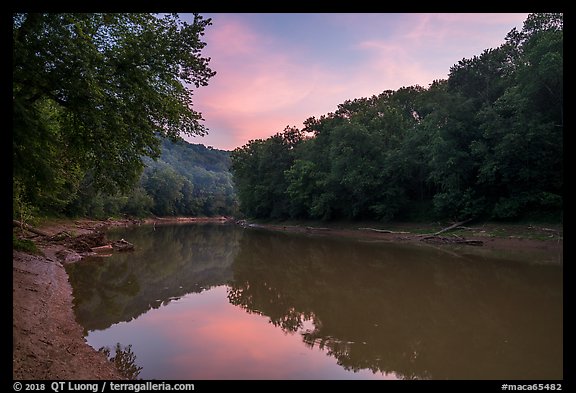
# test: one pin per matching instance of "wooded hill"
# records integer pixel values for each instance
(187, 180)
(93, 95)
(485, 143)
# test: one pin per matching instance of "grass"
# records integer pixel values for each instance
(24, 245)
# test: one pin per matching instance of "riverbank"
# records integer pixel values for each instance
(48, 342)
(491, 236)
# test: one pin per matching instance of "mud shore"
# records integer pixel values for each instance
(510, 240)
(48, 342)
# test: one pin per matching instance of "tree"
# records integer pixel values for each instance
(165, 187)
(259, 169)
(522, 148)
(98, 90)
(486, 142)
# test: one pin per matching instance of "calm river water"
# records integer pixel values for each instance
(208, 301)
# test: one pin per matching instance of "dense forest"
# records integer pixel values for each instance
(95, 96)
(97, 125)
(186, 180)
(487, 142)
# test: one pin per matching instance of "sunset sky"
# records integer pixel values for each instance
(277, 70)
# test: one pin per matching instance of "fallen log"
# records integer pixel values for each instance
(85, 242)
(380, 230)
(122, 245)
(107, 247)
(451, 240)
(29, 228)
(452, 227)
(60, 236)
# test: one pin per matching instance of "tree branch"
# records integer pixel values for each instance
(29, 228)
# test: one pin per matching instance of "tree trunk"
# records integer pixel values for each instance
(452, 227)
(29, 228)
(381, 230)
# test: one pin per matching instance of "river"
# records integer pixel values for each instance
(209, 301)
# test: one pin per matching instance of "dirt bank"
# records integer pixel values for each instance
(48, 342)
(503, 237)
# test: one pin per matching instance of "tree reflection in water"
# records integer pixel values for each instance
(124, 360)
(169, 262)
(417, 312)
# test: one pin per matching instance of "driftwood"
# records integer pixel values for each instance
(117, 245)
(29, 228)
(451, 240)
(122, 245)
(60, 236)
(453, 226)
(380, 230)
(107, 247)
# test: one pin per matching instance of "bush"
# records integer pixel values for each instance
(24, 245)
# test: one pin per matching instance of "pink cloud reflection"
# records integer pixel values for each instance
(215, 340)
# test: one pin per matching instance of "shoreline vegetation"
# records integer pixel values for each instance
(49, 344)
(485, 142)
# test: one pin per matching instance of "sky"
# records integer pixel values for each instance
(277, 70)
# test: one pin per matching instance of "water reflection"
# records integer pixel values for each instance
(417, 312)
(124, 360)
(413, 312)
(169, 262)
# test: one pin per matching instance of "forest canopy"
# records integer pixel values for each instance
(186, 180)
(100, 102)
(487, 142)
(94, 94)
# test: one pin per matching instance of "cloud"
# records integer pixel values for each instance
(265, 82)
(256, 88)
(231, 38)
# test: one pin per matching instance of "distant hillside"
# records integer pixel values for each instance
(186, 180)
(189, 179)
(185, 156)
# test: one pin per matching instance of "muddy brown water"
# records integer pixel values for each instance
(208, 301)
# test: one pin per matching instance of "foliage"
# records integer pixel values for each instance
(22, 210)
(486, 142)
(186, 180)
(26, 245)
(94, 93)
(204, 175)
(260, 168)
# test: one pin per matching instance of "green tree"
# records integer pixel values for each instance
(486, 142)
(94, 92)
(165, 187)
(522, 148)
(259, 171)
(139, 203)
(207, 187)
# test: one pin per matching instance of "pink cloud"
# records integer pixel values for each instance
(231, 38)
(261, 86)
(256, 88)
(453, 31)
